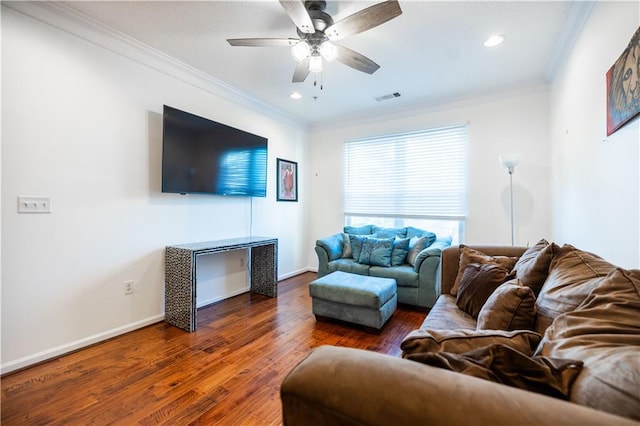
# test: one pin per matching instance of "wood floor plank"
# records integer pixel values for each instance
(228, 372)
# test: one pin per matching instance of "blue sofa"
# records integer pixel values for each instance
(409, 255)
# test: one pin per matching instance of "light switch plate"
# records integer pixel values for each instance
(34, 204)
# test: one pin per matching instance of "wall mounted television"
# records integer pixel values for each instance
(201, 156)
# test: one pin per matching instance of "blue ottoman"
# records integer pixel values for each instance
(358, 299)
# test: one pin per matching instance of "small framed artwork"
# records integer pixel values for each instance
(623, 86)
(287, 180)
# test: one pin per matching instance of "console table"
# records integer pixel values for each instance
(180, 274)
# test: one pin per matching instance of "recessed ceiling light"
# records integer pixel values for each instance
(494, 40)
(295, 95)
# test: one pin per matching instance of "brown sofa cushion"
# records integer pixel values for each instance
(477, 284)
(459, 341)
(573, 273)
(469, 255)
(502, 364)
(512, 306)
(445, 315)
(532, 268)
(604, 332)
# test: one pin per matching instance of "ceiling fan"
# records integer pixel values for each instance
(317, 31)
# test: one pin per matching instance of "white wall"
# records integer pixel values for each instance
(596, 180)
(517, 122)
(83, 126)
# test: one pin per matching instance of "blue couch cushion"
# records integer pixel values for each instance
(332, 245)
(358, 230)
(380, 232)
(404, 275)
(348, 265)
(376, 251)
(399, 252)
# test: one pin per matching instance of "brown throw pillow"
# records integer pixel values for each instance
(533, 266)
(459, 341)
(477, 284)
(469, 255)
(511, 307)
(573, 274)
(502, 364)
(603, 332)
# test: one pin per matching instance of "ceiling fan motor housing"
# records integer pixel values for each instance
(321, 21)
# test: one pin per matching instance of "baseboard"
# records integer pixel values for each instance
(78, 344)
(49, 354)
(298, 272)
(219, 298)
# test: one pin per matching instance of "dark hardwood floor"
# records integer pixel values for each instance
(228, 372)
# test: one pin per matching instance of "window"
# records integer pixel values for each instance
(410, 179)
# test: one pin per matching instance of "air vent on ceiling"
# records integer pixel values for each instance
(386, 97)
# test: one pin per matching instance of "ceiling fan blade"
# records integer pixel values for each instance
(263, 42)
(356, 61)
(364, 20)
(301, 72)
(299, 15)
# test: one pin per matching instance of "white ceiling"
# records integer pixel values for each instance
(430, 54)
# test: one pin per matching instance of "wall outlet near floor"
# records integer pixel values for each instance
(128, 287)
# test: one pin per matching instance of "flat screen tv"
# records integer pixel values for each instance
(201, 156)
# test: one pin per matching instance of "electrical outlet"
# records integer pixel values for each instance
(128, 287)
(34, 204)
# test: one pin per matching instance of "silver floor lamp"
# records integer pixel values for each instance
(510, 161)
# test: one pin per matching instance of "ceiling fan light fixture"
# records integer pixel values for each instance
(301, 50)
(494, 40)
(328, 51)
(315, 63)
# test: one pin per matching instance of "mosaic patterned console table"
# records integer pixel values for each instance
(180, 274)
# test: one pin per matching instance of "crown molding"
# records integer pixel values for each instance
(578, 16)
(422, 108)
(70, 21)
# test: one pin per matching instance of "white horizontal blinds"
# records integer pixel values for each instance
(418, 174)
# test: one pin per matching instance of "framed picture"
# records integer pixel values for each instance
(287, 180)
(623, 86)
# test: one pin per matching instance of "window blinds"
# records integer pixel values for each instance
(417, 174)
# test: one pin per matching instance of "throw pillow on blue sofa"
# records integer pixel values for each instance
(407, 243)
(380, 232)
(399, 252)
(356, 245)
(416, 245)
(376, 251)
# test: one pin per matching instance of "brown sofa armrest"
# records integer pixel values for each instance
(451, 258)
(343, 386)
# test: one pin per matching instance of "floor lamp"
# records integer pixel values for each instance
(510, 161)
